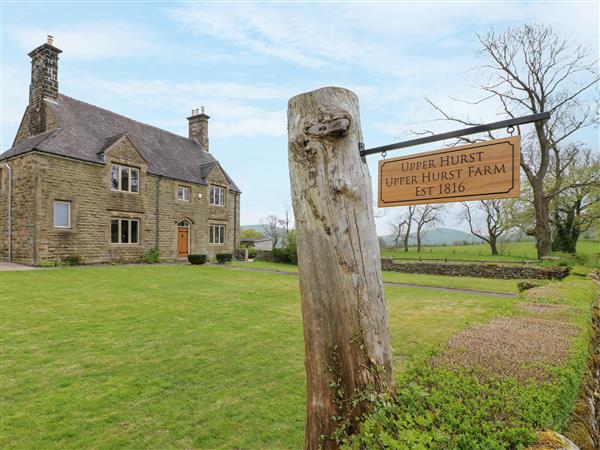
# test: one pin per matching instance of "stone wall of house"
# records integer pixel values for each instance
(24, 201)
(39, 180)
(475, 270)
(228, 215)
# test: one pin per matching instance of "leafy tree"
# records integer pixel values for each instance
(577, 208)
(250, 233)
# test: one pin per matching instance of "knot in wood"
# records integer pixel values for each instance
(329, 128)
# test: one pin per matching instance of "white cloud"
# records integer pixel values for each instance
(409, 39)
(89, 40)
(158, 89)
(236, 109)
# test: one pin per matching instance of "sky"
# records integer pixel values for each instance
(242, 61)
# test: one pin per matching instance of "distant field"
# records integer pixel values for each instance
(514, 251)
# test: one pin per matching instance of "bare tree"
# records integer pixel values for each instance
(532, 70)
(401, 227)
(426, 217)
(286, 224)
(272, 228)
(492, 214)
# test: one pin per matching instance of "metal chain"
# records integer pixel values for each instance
(510, 130)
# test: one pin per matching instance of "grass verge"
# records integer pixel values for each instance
(465, 408)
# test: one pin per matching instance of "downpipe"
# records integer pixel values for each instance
(9, 211)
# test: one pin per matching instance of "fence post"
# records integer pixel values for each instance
(346, 336)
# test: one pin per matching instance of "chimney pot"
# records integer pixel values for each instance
(44, 84)
(198, 127)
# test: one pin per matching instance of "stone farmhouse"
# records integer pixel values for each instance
(87, 183)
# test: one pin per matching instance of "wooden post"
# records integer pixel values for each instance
(347, 344)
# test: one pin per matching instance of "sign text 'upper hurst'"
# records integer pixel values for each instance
(478, 171)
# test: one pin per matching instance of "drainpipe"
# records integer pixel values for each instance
(9, 211)
(234, 222)
(158, 211)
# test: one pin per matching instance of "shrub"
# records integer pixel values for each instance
(252, 253)
(51, 263)
(197, 259)
(222, 258)
(152, 256)
(285, 255)
(526, 285)
(289, 253)
(426, 414)
(71, 261)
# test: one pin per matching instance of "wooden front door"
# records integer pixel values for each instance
(182, 241)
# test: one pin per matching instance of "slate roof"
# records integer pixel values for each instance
(86, 130)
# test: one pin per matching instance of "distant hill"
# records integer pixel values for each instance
(439, 236)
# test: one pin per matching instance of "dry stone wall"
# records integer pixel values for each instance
(476, 270)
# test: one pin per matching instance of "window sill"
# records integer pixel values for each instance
(116, 191)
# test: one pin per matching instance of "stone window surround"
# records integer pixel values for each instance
(221, 190)
(189, 190)
(130, 221)
(224, 226)
(128, 166)
(115, 214)
(65, 202)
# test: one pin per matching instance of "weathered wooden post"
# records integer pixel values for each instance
(347, 344)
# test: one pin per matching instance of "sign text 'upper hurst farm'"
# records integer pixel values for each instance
(478, 171)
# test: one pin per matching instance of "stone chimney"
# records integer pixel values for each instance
(198, 122)
(44, 84)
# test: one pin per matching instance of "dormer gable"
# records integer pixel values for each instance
(122, 149)
(215, 174)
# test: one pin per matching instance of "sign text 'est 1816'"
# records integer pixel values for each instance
(480, 171)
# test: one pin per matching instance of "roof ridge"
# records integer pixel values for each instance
(133, 120)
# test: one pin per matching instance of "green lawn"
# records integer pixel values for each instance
(513, 251)
(484, 284)
(179, 356)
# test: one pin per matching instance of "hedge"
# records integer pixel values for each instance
(197, 259)
(224, 257)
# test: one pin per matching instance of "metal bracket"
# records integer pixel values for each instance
(540, 117)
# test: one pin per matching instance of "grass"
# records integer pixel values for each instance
(512, 252)
(179, 356)
(483, 284)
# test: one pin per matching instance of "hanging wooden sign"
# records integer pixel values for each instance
(480, 171)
